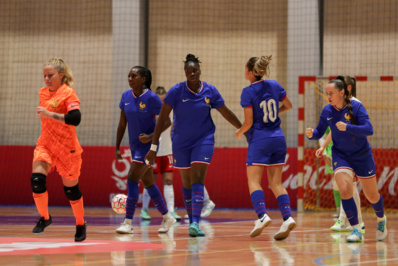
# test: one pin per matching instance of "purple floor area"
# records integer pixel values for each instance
(97, 221)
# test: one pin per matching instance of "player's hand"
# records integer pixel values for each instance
(327, 160)
(118, 155)
(319, 152)
(238, 134)
(150, 157)
(144, 138)
(309, 132)
(42, 112)
(341, 126)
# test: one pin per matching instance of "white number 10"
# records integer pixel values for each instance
(269, 108)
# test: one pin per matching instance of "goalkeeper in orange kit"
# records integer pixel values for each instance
(58, 146)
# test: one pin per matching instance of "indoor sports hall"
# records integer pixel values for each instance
(311, 43)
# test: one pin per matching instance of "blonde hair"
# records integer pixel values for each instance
(60, 65)
(259, 66)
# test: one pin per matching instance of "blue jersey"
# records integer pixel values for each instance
(192, 122)
(264, 97)
(353, 141)
(141, 115)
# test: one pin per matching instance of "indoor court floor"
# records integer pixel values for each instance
(227, 240)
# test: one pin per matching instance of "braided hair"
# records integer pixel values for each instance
(353, 82)
(146, 73)
(259, 66)
(191, 58)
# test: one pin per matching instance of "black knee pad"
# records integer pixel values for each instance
(73, 193)
(38, 183)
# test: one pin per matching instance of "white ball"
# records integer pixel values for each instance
(119, 203)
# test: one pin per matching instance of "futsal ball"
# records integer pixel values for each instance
(119, 203)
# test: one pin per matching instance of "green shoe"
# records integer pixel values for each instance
(176, 216)
(145, 215)
(194, 230)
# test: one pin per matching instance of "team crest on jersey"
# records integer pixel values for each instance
(54, 104)
(347, 117)
(175, 161)
(207, 100)
(335, 163)
(142, 106)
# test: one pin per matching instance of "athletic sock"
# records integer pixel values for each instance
(258, 201)
(78, 210)
(41, 201)
(132, 198)
(187, 195)
(168, 193)
(197, 201)
(206, 197)
(157, 199)
(379, 207)
(145, 199)
(350, 210)
(357, 202)
(284, 206)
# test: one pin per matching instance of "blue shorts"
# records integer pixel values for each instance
(138, 155)
(267, 152)
(199, 154)
(363, 166)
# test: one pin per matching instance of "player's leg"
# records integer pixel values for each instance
(369, 186)
(137, 169)
(254, 174)
(145, 205)
(340, 223)
(337, 198)
(166, 169)
(40, 170)
(69, 170)
(157, 199)
(187, 191)
(275, 182)
(208, 205)
(344, 178)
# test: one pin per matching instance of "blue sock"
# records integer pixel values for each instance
(284, 206)
(132, 198)
(157, 199)
(258, 202)
(351, 211)
(379, 207)
(197, 201)
(187, 195)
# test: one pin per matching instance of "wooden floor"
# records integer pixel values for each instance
(227, 241)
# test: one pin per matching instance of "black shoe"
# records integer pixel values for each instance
(80, 232)
(41, 224)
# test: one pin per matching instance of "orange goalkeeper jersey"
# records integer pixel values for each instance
(57, 137)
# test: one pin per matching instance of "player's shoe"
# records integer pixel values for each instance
(349, 228)
(285, 229)
(207, 209)
(337, 213)
(355, 236)
(339, 226)
(125, 227)
(80, 232)
(176, 216)
(260, 224)
(41, 224)
(194, 230)
(145, 215)
(381, 232)
(168, 221)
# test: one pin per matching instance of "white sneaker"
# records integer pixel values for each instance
(168, 221)
(339, 226)
(285, 229)
(355, 236)
(125, 227)
(350, 228)
(381, 232)
(259, 225)
(207, 209)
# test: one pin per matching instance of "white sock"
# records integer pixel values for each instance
(206, 197)
(145, 199)
(168, 193)
(357, 200)
(342, 216)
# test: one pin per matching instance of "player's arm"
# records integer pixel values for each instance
(72, 118)
(121, 128)
(247, 123)
(229, 116)
(145, 138)
(285, 106)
